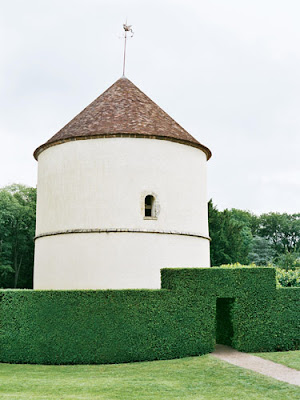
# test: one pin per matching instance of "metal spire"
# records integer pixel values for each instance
(127, 28)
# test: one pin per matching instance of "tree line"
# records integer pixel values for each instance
(237, 236)
(243, 237)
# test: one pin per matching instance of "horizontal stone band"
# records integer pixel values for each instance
(70, 231)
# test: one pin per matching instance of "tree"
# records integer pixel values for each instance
(248, 223)
(230, 239)
(261, 252)
(282, 230)
(246, 218)
(17, 227)
(240, 236)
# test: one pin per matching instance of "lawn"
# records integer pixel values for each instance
(190, 378)
(289, 358)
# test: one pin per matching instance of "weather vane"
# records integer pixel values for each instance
(127, 28)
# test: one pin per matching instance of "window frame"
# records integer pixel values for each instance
(153, 215)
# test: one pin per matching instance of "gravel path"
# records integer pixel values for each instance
(257, 364)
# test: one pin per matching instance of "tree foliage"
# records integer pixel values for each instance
(283, 231)
(262, 252)
(17, 226)
(230, 238)
(239, 236)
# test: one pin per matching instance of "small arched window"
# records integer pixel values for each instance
(149, 206)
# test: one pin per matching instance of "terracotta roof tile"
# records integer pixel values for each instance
(122, 110)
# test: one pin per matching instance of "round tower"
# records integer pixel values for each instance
(121, 194)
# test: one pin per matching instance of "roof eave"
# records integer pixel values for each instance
(195, 144)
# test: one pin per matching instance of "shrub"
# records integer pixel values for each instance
(288, 261)
(238, 265)
(290, 278)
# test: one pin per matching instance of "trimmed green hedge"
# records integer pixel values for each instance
(91, 327)
(263, 318)
(113, 326)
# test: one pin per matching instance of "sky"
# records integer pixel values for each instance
(227, 71)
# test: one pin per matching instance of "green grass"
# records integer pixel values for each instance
(289, 358)
(190, 378)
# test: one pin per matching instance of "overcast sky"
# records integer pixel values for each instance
(227, 71)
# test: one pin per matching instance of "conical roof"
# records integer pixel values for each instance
(123, 110)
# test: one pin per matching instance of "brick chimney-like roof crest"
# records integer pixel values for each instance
(123, 110)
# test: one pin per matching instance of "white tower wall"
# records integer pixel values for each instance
(91, 232)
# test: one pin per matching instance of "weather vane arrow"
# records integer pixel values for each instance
(127, 28)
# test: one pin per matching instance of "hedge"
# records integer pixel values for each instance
(263, 317)
(91, 327)
(179, 320)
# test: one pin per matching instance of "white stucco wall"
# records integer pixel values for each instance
(101, 184)
(113, 260)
